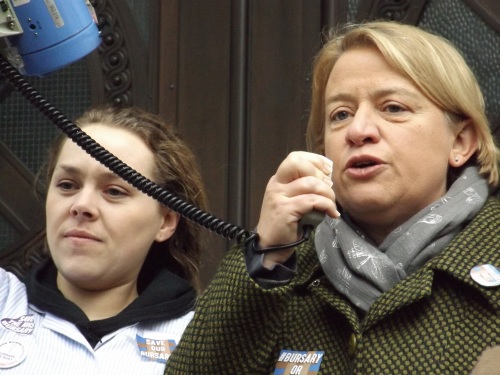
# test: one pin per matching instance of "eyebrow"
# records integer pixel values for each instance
(378, 93)
(75, 171)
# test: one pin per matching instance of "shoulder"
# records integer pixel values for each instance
(477, 243)
(491, 207)
(485, 227)
(12, 292)
(475, 246)
(9, 281)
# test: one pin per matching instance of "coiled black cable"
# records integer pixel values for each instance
(77, 135)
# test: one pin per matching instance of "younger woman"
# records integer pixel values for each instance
(122, 278)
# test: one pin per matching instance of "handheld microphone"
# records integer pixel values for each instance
(314, 217)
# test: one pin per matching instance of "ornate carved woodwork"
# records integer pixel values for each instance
(407, 11)
(118, 67)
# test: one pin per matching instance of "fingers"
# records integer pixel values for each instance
(308, 186)
(301, 164)
(306, 179)
(301, 184)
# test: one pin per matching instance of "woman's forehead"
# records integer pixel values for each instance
(122, 143)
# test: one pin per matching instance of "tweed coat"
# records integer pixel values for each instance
(436, 321)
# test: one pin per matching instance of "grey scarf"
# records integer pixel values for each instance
(361, 271)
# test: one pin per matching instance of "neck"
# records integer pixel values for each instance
(376, 233)
(99, 304)
(379, 227)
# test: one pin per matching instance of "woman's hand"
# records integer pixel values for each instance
(301, 184)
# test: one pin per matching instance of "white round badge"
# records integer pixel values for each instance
(12, 353)
(486, 275)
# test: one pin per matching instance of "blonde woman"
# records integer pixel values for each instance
(401, 275)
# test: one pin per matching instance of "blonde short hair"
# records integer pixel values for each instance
(430, 62)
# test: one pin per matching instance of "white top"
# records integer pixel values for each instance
(35, 342)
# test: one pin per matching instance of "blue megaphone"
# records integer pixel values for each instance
(55, 33)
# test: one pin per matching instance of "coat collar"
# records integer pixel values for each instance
(477, 244)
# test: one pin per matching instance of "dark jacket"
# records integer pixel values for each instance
(436, 321)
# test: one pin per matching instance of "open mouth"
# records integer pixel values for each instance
(364, 164)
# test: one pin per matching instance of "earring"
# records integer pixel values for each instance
(456, 159)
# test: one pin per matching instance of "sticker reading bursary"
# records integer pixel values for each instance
(292, 362)
(155, 350)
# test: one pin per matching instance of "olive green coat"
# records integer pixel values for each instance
(437, 321)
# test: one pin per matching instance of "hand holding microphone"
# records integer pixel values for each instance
(300, 193)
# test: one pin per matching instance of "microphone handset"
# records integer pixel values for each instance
(312, 218)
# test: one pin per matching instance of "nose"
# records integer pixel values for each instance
(364, 128)
(84, 205)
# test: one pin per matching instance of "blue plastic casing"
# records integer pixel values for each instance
(56, 33)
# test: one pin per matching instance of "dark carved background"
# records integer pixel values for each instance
(232, 75)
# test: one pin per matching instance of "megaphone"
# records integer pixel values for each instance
(42, 36)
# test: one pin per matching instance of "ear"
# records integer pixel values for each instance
(169, 224)
(464, 145)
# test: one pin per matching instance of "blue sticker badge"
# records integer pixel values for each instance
(292, 362)
(155, 350)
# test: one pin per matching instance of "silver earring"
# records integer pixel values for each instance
(456, 159)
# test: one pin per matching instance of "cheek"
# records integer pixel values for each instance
(135, 240)
(333, 145)
(53, 219)
(436, 132)
(145, 221)
(439, 145)
(51, 207)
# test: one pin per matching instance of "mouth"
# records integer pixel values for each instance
(364, 164)
(363, 167)
(79, 234)
(361, 162)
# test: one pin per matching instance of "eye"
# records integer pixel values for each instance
(394, 108)
(339, 116)
(116, 192)
(66, 185)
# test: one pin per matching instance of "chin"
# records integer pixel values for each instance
(366, 205)
(362, 195)
(78, 272)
